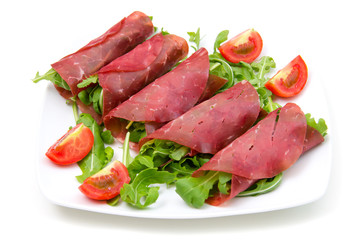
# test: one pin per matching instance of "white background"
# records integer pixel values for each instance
(37, 33)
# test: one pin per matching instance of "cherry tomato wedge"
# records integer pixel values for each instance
(106, 184)
(245, 47)
(290, 80)
(73, 146)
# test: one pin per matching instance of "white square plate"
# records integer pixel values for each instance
(305, 182)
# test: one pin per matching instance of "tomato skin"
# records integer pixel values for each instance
(72, 147)
(245, 47)
(107, 183)
(290, 80)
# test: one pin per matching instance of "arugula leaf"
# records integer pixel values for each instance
(137, 131)
(94, 96)
(185, 166)
(155, 153)
(109, 153)
(266, 101)
(72, 101)
(320, 125)
(84, 97)
(222, 68)
(261, 68)
(179, 153)
(258, 79)
(99, 156)
(195, 38)
(107, 137)
(262, 186)
(138, 193)
(180, 168)
(224, 182)
(194, 191)
(126, 158)
(86, 82)
(101, 101)
(114, 201)
(242, 71)
(53, 77)
(164, 32)
(220, 38)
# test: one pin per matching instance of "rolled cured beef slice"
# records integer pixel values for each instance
(273, 145)
(313, 136)
(213, 124)
(214, 83)
(164, 99)
(118, 40)
(131, 72)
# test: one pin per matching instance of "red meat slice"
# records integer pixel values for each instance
(214, 83)
(166, 98)
(131, 72)
(267, 149)
(312, 139)
(213, 124)
(118, 40)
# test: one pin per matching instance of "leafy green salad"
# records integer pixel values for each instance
(167, 162)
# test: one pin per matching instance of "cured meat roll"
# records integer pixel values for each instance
(200, 132)
(213, 124)
(270, 147)
(131, 72)
(164, 99)
(118, 40)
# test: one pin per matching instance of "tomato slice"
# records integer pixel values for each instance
(290, 80)
(245, 47)
(72, 147)
(106, 184)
